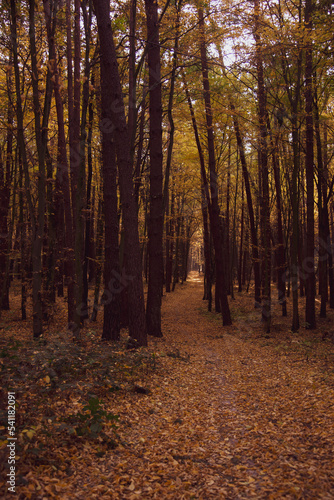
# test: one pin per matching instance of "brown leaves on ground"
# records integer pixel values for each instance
(205, 413)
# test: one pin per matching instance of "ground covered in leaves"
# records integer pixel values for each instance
(205, 413)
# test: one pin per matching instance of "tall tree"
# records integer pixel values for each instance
(263, 156)
(132, 279)
(215, 211)
(155, 225)
(309, 169)
(63, 209)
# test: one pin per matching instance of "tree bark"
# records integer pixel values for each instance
(63, 209)
(309, 168)
(117, 126)
(6, 165)
(215, 212)
(112, 284)
(263, 154)
(155, 225)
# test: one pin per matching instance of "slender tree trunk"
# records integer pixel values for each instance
(241, 245)
(295, 229)
(329, 245)
(228, 261)
(112, 284)
(23, 245)
(215, 217)
(98, 257)
(171, 129)
(263, 151)
(50, 236)
(207, 251)
(63, 213)
(176, 271)
(5, 191)
(90, 206)
(206, 203)
(254, 238)
(323, 214)
(170, 222)
(309, 167)
(132, 111)
(280, 254)
(38, 236)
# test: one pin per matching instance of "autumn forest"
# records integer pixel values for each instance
(158, 158)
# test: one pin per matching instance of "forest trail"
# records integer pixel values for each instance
(225, 413)
(227, 417)
(264, 421)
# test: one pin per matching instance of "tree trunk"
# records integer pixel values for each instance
(309, 167)
(117, 126)
(5, 190)
(241, 245)
(63, 210)
(170, 222)
(263, 152)
(215, 212)
(112, 277)
(280, 254)
(155, 225)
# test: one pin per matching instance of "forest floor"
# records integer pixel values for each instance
(206, 412)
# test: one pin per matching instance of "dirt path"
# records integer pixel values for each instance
(227, 416)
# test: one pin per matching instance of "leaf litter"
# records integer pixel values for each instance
(204, 413)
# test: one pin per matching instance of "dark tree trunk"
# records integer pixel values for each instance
(228, 262)
(63, 209)
(176, 271)
(170, 106)
(207, 252)
(5, 190)
(329, 246)
(84, 192)
(50, 237)
(241, 245)
(90, 207)
(263, 152)
(117, 126)
(323, 215)
(309, 168)
(23, 250)
(155, 225)
(112, 278)
(38, 236)
(170, 222)
(280, 254)
(293, 94)
(295, 228)
(98, 258)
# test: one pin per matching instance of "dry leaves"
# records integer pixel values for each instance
(221, 412)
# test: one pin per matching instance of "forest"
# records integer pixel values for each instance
(129, 131)
(161, 162)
